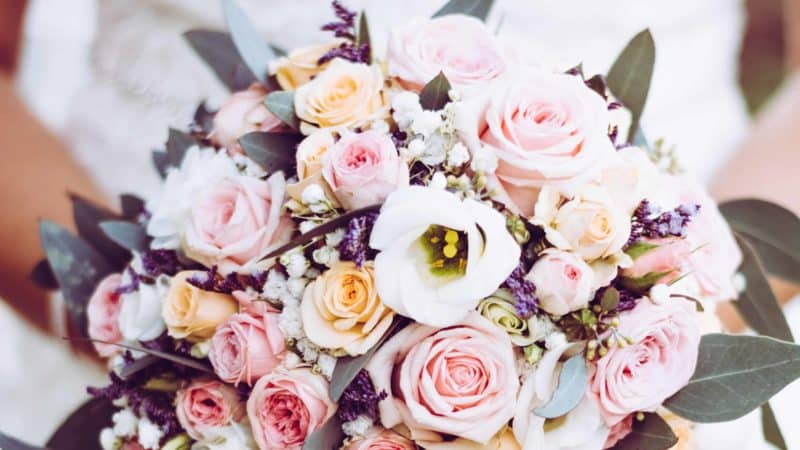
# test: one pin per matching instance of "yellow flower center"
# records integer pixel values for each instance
(446, 250)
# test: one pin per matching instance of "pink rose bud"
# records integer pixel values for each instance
(564, 282)
(103, 314)
(205, 405)
(667, 257)
(381, 440)
(243, 113)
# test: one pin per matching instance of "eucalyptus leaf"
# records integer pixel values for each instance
(160, 162)
(9, 443)
(253, 49)
(76, 265)
(217, 49)
(43, 275)
(630, 75)
(652, 433)
(178, 142)
(771, 429)
(87, 217)
(328, 437)
(572, 383)
(436, 94)
(132, 206)
(81, 429)
(757, 304)
(131, 236)
(735, 374)
(475, 8)
(281, 103)
(271, 151)
(362, 35)
(641, 285)
(203, 119)
(639, 248)
(610, 299)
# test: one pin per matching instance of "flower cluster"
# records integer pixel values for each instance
(419, 268)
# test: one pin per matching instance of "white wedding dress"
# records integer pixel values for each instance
(145, 77)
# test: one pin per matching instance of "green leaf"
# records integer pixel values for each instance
(770, 427)
(160, 162)
(271, 151)
(348, 367)
(773, 230)
(652, 433)
(639, 248)
(177, 144)
(253, 49)
(610, 299)
(363, 34)
(81, 429)
(217, 49)
(9, 443)
(328, 437)
(281, 103)
(436, 94)
(43, 275)
(735, 374)
(131, 236)
(87, 217)
(630, 75)
(76, 265)
(757, 304)
(572, 383)
(475, 8)
(641, 285)
(131, 206)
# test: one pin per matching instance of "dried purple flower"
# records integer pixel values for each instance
(524, 292)
(350, 51)
(345, 28)
(355, 244)
(158, 262)
(212, 281)
(650, 222)
(360, 399)
(133, 285)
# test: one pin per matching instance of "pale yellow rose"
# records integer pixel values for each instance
(300, 66)
(192, 313)
(310, 151)
(341, 309)
(345, 94)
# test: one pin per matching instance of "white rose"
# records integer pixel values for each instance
(149, 434)
(140, 313)
(436, 263)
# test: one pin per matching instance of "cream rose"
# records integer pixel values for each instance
(564, 282)
(459, 381)
(300, 66)
(310, 152)
(345, 94)
(192, 313)
(341, 309)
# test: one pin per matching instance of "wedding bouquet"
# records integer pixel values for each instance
(438, 247)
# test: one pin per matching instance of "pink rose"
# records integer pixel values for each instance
(363, 169)
(243, 113)
(564, 282)
(459, 381)
(286, 406)
(247, 346)
(544, 128)
(236, 221)
(619, 431)
(103, 314)
(639, 377)
(668, 257)
(204, 405)
(460, 46)
(381, 440)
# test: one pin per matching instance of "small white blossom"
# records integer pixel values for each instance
(484, 160)
(335, 238)
(458, 155)
(454, 95)
(248, 166)
(307, 225)
(289, 321)
(380, 126)
(426, 122)
(435, 151)
(320, 207)
(405, 105)
(312, 273)
(416, 148)
(149, 434)
(556, 339)
(326, 364)
(275, 287)
(660, 293)
(296, 286)
(200, 350)
(125, 423)
(295, 263)
(313, 194)
(309, 350)
(291, 360)
(438, 181)
(358, 426)
(108, 440)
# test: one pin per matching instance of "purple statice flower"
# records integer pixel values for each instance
(360, 399)
(651, 222)
(131, 286)
(524, 292)
(212, 281)
(158, 262)
(355, 244)
(347, 50)
(345, 28)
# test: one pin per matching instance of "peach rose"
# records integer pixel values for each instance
(668, 257)
(363, 169)
(103, 314)
(310, 152)
(286, 406)
(206, 405)
(661, 361)
(345, 94)
(381, 440)
(236, 221)
(192, 313)
(564, 282)
(459, 381)
(300, 66)
(458, 45)
(545, 129)
(243, 113)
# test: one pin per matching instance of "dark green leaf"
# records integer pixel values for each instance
(203, 119)
(131, 205)
(87, 217)
(328, 437)
(77, 266)
(363, 34)
(161, 162)
(9, 443)
(572, 383)
(475, 8)
(131, 236)
(271, 151)
(757, 304)
(770, 427)
(639, 248)
(436, 93)
(772, 229)
(177, 359)
(630, 75)
(81, 429)
(348, 367)
(735, 374)
(281, 103)
(219, 52)
(253, 49)
(610, 299)
(652, 433)
(597, 84)
(177, 144)
(43, 275)
(642, 285)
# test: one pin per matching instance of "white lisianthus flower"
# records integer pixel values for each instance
(140, 314)
(437, 262)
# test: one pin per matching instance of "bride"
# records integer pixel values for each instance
(145, 77)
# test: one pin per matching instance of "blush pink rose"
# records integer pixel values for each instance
(459, 381)
(236, 221)
(244, 112)
(564, 282)
(668, 258)
(286, 406)
(363, 169)
(205, 405)
(381, 440)
(661, 361)
(619, 432)
(103, 315)
(458, 45)
(544, 128)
